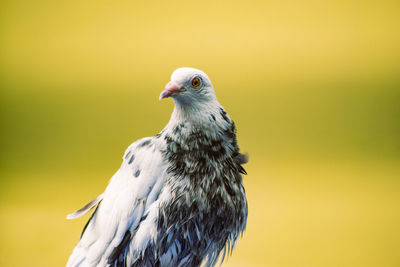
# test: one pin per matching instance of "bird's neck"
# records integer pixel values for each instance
(199, 115)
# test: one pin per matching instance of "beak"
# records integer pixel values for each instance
(171, 89)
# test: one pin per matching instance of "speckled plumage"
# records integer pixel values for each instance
(178, 198)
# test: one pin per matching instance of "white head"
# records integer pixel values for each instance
(189, 87)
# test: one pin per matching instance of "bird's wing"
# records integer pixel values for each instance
(125, 204)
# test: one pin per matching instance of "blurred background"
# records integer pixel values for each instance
(313, 86)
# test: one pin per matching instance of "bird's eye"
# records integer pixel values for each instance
(196, 82)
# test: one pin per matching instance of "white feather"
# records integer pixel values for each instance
(85, 208)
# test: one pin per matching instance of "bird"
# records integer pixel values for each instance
(178, 198)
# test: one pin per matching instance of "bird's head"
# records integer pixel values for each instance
(189, 86)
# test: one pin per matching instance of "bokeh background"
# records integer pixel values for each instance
(313, 86)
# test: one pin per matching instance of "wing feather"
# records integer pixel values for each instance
(82, 211)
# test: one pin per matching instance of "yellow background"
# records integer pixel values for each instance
(313, 87)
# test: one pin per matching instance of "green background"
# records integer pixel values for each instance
(313, 86)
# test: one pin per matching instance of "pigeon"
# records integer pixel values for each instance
(178, 198)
